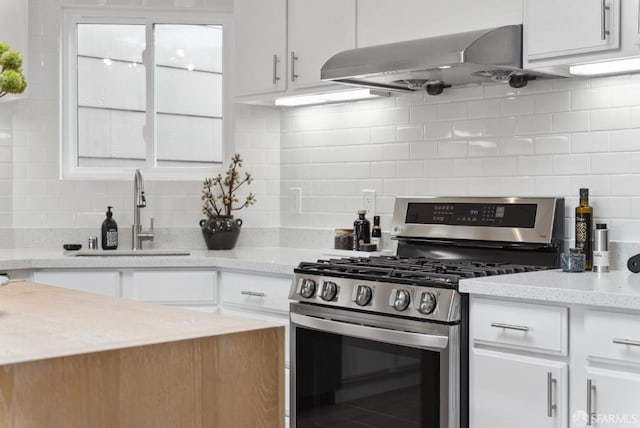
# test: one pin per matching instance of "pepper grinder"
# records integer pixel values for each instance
(601, 248)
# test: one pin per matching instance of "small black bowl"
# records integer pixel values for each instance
(72, 247)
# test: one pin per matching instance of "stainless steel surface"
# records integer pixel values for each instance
(92, 243)
(308, 288)
(455, 59)
(541, 232)
(551, 406)
(294, 58)
(126, 253)
(252, 293)
(402, 338)
(139, 201)
(275, 69)
(510, 326)
(590, 389)
(626, 342)
(444, 339)
(600, 248)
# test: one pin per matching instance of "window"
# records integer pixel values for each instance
(143, 90)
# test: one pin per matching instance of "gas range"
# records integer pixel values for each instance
(414, 287)
(368, 330)
(441, 241)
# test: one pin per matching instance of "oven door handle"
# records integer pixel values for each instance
(403, 338)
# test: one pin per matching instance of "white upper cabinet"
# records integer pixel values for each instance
(557, 28)
(318, 29)
(260, 46)
(384, 21)
(282, 45)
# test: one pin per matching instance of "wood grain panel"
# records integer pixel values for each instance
(230, 380)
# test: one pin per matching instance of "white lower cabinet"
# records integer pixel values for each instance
(262, 297)
(596, 380)
(513, 390)
(612, 396)
(106, 283)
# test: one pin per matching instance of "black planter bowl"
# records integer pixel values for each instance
(221, 232)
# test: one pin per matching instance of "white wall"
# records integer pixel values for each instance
(36, 203)
(549, 138)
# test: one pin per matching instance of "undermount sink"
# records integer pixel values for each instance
(128, 253)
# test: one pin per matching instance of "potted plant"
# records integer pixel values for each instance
(11, 78)
(219, 195)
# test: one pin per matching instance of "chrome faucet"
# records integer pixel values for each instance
(139, 201)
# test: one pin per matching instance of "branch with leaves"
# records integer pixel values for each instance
(219, 193)
(12, 79)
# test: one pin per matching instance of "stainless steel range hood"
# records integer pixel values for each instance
(434, 63)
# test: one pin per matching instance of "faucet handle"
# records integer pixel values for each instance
(151, 224)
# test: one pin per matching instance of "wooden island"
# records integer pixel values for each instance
(78, 360)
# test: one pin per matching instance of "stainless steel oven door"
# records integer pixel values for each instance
(353, 369)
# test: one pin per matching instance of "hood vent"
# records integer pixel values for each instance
(435, 63)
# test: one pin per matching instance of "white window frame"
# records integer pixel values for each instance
(71, 16)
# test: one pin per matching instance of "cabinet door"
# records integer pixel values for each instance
(615, 398)
(318, 29)
(384, 21)
(260, 46)
(178, 287)
(554, 28)
(100, 282)
(514, 391)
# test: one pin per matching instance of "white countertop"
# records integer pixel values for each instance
(268, 260)
(615, 289)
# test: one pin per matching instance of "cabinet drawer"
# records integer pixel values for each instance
(263, 292)
(174, 286)
(525, 326)
(613, 336)
(100, 282)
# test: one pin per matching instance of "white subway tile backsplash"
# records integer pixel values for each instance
(370, 152)
(537, 124)
(452, 111)
(517, 145)
(500, 127)
(516, 106)
(437, 130)
(467, 167)
(618, 118)
(410, 133)
(559, 143)
(521, 186)
(395, 151)
(611, 163)
(438, 167)
(591, 98)
(590, 142)
(484, 186)
(574, 121)
(571, 164)
(552, 102)
(482, 147)
(626, 140)
(410, 169)
(501, 167)
(552, 185)
(422, 113)
(483, 109)
(383, 134)
(423, 149)
(535, 165)
(453, 149)
(468, 128)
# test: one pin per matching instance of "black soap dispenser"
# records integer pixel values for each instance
(109, 232)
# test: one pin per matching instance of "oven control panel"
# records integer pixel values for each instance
(429, 303)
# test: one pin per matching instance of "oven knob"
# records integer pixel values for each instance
(329, 291)
(363, 295)
(401, 300)
(308, 288)
(427, 303)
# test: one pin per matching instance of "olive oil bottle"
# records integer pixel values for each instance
(584, 228)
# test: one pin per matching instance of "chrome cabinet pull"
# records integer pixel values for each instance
(551, 406)
(510, 326)
(294, 58)
(626, 342)
(252, 293)
(275, 69)
(590, 389)
(603, 24)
